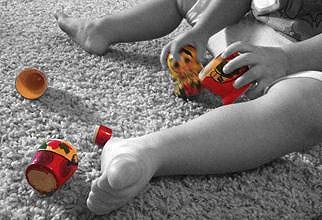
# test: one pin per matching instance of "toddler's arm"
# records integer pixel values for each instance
(304, 55)
(220, 14)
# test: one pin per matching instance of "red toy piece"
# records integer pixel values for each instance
(102, 135)
(185, 74)
(220, 83)
(53, 164)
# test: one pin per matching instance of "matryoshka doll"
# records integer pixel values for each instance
(53, 164)
(215, 80)
(185, 72)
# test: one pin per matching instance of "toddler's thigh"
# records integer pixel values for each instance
(185, 5)
(247, 30)
(301, 95)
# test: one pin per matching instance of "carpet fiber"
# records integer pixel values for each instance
(128, 91)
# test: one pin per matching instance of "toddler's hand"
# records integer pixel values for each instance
(192, 37)
(266, 64)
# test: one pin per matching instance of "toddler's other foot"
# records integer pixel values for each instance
(126, 166)
(86, 33)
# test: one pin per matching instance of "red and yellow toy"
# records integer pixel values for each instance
(101, 135)
(56, 161)
(185, 74)
(220, 83)
(53, 164)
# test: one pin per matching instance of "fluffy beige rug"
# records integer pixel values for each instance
(128, 91)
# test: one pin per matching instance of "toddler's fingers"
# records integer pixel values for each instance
(175, 49)
(244, 59)
(257, 91)
(201, 51)
(246, 78)
(164, 55)
(203, 74)
(237, 46)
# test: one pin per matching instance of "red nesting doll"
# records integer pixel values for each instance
(53, 164)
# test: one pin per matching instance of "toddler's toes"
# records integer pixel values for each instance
(97, 200)
(66, 24)
(59, 13)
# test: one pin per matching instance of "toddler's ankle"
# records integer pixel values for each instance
(154, 153)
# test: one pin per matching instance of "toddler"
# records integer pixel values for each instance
(282, 48)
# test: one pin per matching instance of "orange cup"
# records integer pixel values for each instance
(31, 83)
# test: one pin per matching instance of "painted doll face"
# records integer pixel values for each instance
(185, 72)
(187, 66)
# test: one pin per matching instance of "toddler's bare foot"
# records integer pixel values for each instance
(126, 166)
(88, 34)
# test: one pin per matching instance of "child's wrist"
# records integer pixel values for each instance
(202, 31)
(287, 60)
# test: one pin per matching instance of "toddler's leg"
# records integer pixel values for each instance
(246, 135)
(148, 20)
(230, 138)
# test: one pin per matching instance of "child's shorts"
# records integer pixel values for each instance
(198, 7)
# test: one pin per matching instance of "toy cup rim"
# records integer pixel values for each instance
(43, 75)
(97, 127)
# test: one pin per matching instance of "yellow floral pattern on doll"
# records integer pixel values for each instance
(62, 148)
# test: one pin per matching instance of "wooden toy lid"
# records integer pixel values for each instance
(31, 83)
(41, 178)
(101, 135)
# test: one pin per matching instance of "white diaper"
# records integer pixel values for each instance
(307, 74)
